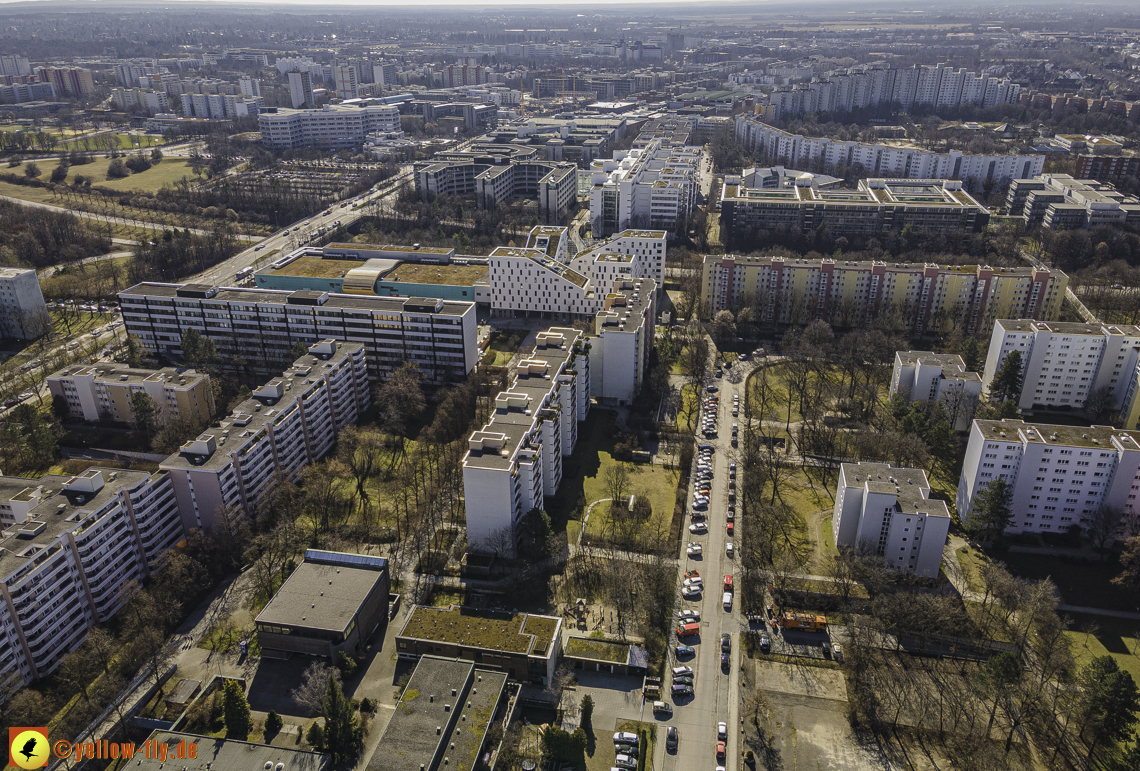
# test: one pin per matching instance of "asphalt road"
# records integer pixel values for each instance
(717, 692)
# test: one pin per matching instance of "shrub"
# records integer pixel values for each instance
(32, 170)
(368, 706)
(117, 170)
(59, 173)
(273, 723)
(345, 663)
(137, 164)
(315, 736)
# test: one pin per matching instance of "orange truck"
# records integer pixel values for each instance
(805, 622)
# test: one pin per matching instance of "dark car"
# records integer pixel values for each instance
(686, 650)
(765, 645)
(683, 680)
(680, 690)
(672, 738)
(726, 642)
(725, 661)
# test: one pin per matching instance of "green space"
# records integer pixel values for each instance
(971, 561)
(1085, 584)
(225, 636)
(167, 172)
(124, 141)
(1093, 636)
(600, 650)
(502, 346)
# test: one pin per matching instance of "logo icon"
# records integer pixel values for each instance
(28, 747)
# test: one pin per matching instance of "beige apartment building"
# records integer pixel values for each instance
(103, 392)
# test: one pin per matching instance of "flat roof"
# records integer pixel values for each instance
(431, 273)
(216, 754)
(1098, 437)
(519, 633)
(321, 596)
(315, 267)
(171, 377)
(410, 740)
(281, 297)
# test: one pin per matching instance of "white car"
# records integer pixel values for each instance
(694, 549)
(689, 616)
(689, 592)
(727, 600)
(696, 581)
(678, 671)
(625, 737)
(729, 551)
(698, 527)
(722, 731)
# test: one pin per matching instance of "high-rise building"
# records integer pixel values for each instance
(14, 66)
(301, 89)
(249, 86)
(923, 376)
(347, 84)
(888, 512)
(1058, 201)
(75, 82)
(1061, 475)
(651, 187)
(23, 313)
(258, 327)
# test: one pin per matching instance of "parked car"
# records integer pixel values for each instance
(681, 690)
(626, 749)
(826, 648)
(837, 652)
(728, 583)
(683, 680)
(712, 389)
(663, 707)
(728, 528)
(625, 761)
(686, 650)
(625, 737)
(689, 615)
(725, 660)
(726, 642)
(765, 643)
(682, 670)
(729, 550)
(699, 527)
(722, 732)
(720, 746)
(694, 549)
(672, 738)
(727, 600)
(691, 592)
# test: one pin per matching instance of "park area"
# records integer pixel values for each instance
(166, 172)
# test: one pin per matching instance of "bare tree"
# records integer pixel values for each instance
(617, 482)
(310, 694)
(1105, 526)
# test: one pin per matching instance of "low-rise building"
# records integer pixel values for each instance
(1071, 365)
(923, 376)
(888, 512)
(1061, 475)
(1060, 201)
(331, 603)
(516, 458)
(169, 749)
(522, 645)
(847, 293)
(258, 327)
(68, 548)
(23, 313)
(99, 392)
(879, 206)
(287, 424)
(442, 717)
(332, 126)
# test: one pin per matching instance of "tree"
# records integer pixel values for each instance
(1110, 702)
(343, 737)
(310, 694)
(133, 351)
(144, 413)
(997, 676)
(59, 173)
(236, 711)
(971, 355)
(560, 745)
(298, 350)
(117, 169)
(992, 511)
(315, 736)
(1104, 526)
(1006, 385)
(273, 723)
(617, 484)
(1129, 576)
(724, 327)
(642, 507)
(31, 170)
(587, 709)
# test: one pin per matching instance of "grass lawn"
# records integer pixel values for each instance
(125, 142)
(827, 537)
(1116, 637)
(168, 171)
(1089, 585)
(502, 346)
(971, 561)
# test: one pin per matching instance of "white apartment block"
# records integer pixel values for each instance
(516, 458)
(646, 247)
(528, 281)
(623, 339)
(103, 392)
(14, 66)
(923, 376)
(888, 512)
(1061, 475)
(287, 424)
(300, 89)
(68, 546)
(331, 126)
(249, 86)
(347, 86)
(798, 151)
(260, 326)
(1064, 363)
(23, 313)
(151, 101)
(650, 187)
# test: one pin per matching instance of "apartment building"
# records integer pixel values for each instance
(651, 187)
(516, 458)
(1059, 201)
(645, 248)
(332, 126)
(75, 82)
(23, 313)
(881, 160)
(878, 207)
(889, 512)
(99, 392)
(847, 293)
(347, 85)
(623, 339)
(256, 328)
(1061, 475)
(1064, 364)
(924, 376)
(152, 102)
(528, 281)
(15, 66)
(287, 424)
(301, 89)
(68, 548)
(19, 93)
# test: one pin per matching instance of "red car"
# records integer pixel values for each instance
(720, 750)
(692, 574)
(728, 583)
(728, 528)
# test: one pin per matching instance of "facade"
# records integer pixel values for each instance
(847, 293)
(287, 424)
(23, 313)
(75, 82)
(879, 160)
(347, 86)
(523, 646)
(921, 376)
(331, 603)
(68, 546)
(888, 512)
(1061, 475)
(645, 248)
(1059, 201)
(332, 126)
(301, 89)
(258, 327)
(623, 340)
(651, 187)
(1065, 364)
(1107, 168)
(528, 281)
(516, 458)
(879, 206)
(101, 392)
(440, 727)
